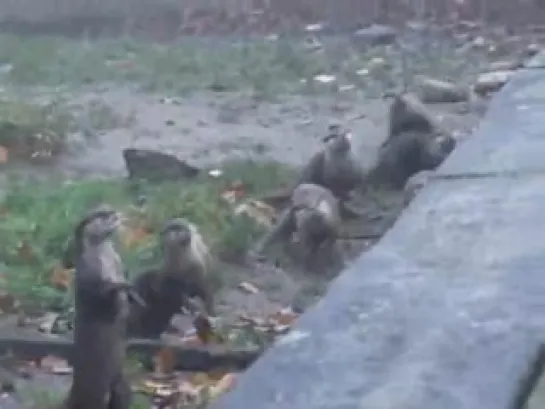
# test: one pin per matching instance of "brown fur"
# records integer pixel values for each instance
(183, 274)
(335, 167)
(100, 321)
(312, 220)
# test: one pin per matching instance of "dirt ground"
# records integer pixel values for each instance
(209, 128)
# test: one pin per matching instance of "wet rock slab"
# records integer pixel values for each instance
(512, 138)
(448, 308)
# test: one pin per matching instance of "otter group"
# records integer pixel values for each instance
(320, 198)
(108, 307)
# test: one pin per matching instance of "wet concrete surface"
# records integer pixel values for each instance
(447, 309)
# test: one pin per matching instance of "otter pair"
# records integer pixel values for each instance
(104, 310)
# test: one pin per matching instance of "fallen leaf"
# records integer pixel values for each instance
(261, 212)
(61, 277)
(4, 154)
(224, 385)
(190, 390)
(314, 27)
(285, 317)
(25, 251)
(4, 211)
(205, 331)
(325, 78)
(376, 62)
(248, 287)
(132, 236)
(55, 365)
(153, 388)
(281, 329)
(164, 361)
(215, 173)
(8, 303)
(191, 341)
(234, 192)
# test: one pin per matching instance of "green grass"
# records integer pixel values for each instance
(41, 217)
(183, 66)
(267, 68)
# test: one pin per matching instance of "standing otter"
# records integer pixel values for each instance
(183, 274)
(102, 306)
(335, 167)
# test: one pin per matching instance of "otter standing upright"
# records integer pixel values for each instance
(165, 290)
(101, 301)
(335, 168)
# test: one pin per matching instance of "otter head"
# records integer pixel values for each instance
(312, 224)
(176, 234)
(338, 139)
(97, 226)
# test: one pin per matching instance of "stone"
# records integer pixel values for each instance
(492, 81)
(509, 139)
(432, 91)
(147, 164)
(376, 34)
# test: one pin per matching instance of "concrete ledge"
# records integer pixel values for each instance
(448, 308)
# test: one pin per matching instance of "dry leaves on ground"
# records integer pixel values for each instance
(61, 277)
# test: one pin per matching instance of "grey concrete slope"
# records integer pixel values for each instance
(447, 309)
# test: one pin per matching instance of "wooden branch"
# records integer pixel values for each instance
(202, 359)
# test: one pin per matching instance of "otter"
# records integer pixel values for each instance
(101, 311)
(184, 273)
(312, 220)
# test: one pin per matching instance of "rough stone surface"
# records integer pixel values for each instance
(446, 310)
(511, 138)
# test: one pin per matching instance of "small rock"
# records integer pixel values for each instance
(376, 34)
(492, 81)
(531, 50)
(506, 65)
(433, 91)
(479, 42)
(146, 164)
(48, 323)
(314, 27)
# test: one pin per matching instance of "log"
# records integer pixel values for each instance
(202, 359)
